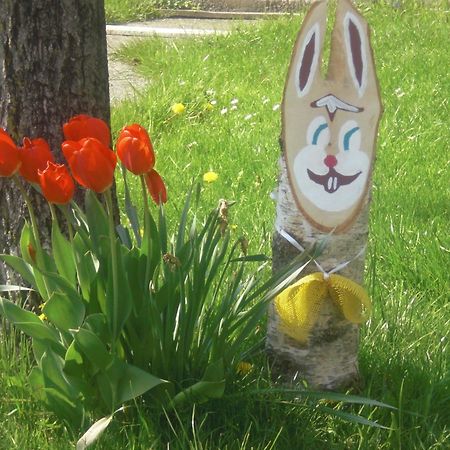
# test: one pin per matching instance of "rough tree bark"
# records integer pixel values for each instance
(53, 65)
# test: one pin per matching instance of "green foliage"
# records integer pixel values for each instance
(134, 10)
(159, 313)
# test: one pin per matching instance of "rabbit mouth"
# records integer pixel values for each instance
(333, 180)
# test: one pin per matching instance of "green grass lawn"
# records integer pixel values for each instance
(405, 354)
(134, 10)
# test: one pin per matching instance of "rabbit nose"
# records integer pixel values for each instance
(330, 161)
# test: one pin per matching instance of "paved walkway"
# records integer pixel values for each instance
(124, 82)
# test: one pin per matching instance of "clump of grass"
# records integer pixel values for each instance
(137, 10)
(117, 11)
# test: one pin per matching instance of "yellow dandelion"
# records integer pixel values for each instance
(208, 106)
(178, 108)
(233, 227)
(243, 368)
(42, 316)
(210, 177)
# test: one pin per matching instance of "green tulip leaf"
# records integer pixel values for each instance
(85, 267)
(63, 254)
(135, 382)
(73, 361)
(94, 349)
(36, 381)
(64, 312)
(69, 410)
(97, 220)
(94, 432)
(20, 266)
(211, 386)
(27, 321)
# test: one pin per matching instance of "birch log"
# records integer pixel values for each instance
(328, 142)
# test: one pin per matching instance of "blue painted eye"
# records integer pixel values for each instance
(347, 137)
(316, 135)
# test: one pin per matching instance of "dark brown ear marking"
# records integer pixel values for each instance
(307, 60)
(355, 45)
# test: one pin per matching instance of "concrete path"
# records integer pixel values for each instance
(124, 82)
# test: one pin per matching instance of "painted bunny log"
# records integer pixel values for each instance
(328, 141)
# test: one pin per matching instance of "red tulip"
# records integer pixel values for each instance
(56, 184)
(92, 163)
(35, 154)
(9, 155)
(84, 126)
(135, 149)
(156, 187)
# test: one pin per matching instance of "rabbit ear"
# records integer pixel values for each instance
(306, 59)
(356, 45)
(351, 49)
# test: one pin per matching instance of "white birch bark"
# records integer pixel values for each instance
(329, 359)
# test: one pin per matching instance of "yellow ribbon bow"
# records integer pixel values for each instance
(299, 305)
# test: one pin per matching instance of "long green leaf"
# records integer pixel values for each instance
(23, 268)
(64, 312)
(95, 431)
(94, 349)
(13, 288)
(135, 382)
(97, 220)
(63, 254)
(354, 418)
(27, 321)
(85, 267)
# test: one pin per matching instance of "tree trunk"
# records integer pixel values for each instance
(329, 359)
(53, 65)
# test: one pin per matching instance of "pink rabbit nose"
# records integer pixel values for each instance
(330, 161)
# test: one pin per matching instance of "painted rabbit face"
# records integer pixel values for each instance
(329, 125)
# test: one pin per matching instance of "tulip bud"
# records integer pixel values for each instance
(92, 164)
(84, 126)
(156, 187)
(56, 184)
(135, 150)
(35, 154)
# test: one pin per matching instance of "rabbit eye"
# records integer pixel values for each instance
(347, 137)
(316, 134)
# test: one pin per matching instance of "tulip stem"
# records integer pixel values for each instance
(52, 210)
(35, 230)
(27, 199)
(146, 220)
(65, 211)
(112, 239)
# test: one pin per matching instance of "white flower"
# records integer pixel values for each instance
(235, 101)
(276, 107)
(223, 111)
